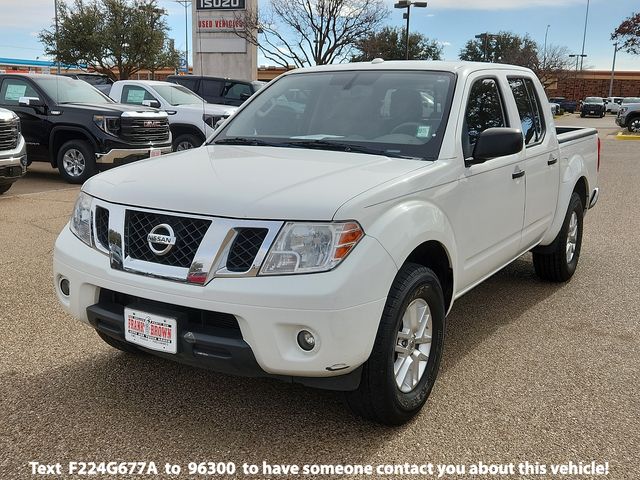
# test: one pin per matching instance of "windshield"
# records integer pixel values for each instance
(393, 113)
(631, 100)
(177, 94)
(70, 90)
(594, 100)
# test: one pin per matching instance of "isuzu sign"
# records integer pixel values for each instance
(220, 4)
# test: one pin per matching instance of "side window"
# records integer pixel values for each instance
(189, 83)
(210, 88)
(14, 88)
(135, 95)
(234, 91)
(484, 110)
(529, 109)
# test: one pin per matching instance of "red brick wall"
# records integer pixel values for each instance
(624, 85)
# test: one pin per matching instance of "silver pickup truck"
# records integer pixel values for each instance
(13, 153)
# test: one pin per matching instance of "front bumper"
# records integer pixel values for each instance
(124, 155)
(342, 309)
(621, 121)
(13, 163)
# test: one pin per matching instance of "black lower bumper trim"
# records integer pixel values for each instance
(222, 354)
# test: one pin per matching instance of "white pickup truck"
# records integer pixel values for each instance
(191, 119)
(13, 150)
(325, 231)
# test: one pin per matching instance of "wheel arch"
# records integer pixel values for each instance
(434, 255)
(178, 129)
(61, 135)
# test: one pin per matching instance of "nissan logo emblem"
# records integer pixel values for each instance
(161, 239)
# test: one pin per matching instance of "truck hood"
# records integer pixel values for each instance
(210, 108)
(106, 108)
(249, 182)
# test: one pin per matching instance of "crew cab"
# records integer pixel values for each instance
(593, 107)
(13, 152)
(324, 241)
(192, 119)
(77, 129)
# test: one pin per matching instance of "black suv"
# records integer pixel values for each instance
(77, 129)
(223, 91)
(593, 107)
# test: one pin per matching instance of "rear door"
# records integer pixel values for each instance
(235, 93)
(211, 90)
(33, 120)
(491, 204)
(542, 167)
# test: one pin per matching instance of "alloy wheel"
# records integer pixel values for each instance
(572, 236)
(413, 345)
(73, 162)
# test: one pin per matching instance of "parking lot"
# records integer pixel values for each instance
(532, 371)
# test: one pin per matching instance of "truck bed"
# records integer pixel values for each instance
(567, 134)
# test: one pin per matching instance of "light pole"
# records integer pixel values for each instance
(55, 5)
(185, 4)
(584, 37)
(613, 68)
(544, 57)
(575, 80)
(407, 4)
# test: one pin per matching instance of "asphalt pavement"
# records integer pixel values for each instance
(531, 372)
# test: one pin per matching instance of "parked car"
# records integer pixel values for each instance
(78, 129)
(325, 246)
(629, 114)
(192, 119)
(224, 91)
(98, 80)
(555, 108)
(613, 104)
(593, 107)
(567, 105)
(13, 150)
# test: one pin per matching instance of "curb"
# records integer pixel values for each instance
(627, 136)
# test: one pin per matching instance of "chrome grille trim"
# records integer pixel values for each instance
(210, 260)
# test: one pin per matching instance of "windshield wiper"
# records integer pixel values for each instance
(245, 141)
(347, 147)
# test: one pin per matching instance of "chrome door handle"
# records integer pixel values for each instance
(517, 174)
(552, 160)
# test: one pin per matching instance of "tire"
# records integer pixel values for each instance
(379, 397)
(633, 125)
(4, 188)
(582, 115)
(119, 344)
(186, 141)
(77, 161)
(554, 264)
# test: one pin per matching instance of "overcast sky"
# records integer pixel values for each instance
(451, 22)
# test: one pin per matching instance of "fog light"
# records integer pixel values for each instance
(306, 340)
(64, 287)
(23, 161)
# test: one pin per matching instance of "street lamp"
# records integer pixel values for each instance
(584, 37)
(575, 80)
(55, 5)
(613, 68)
(185, 4)
(407, 4)
(544, 58)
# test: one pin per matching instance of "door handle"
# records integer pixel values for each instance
(552, 161)
(518, 174)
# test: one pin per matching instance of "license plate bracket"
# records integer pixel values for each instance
(155, 152)
(151, 329)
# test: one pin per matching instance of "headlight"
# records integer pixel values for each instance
(110, 125)
(622, 110)
(80, 223)
(17, 120)
(311, 247)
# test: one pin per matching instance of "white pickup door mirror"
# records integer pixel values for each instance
(30, 102)
(496, 142)
(151, 103)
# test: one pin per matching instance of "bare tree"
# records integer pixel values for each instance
(552, 66)
(310, 32)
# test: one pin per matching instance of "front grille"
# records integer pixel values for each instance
(244, 249)
(9, 134)
(102, 227)
(199, 321)
(189, 233)
(144, 130)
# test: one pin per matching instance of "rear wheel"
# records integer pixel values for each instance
(186, 141)
(401, 371)
(77, 161)
(559, 263)
(118, 344)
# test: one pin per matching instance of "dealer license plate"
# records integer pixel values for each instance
(155, 153)
(151, 331)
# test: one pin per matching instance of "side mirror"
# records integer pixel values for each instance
(496, 142)
(151, 103)
(30, 102)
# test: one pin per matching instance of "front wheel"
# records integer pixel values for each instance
(77, 161)
(186, 142)
(558, 264)
(401, 371)
(634, 125)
